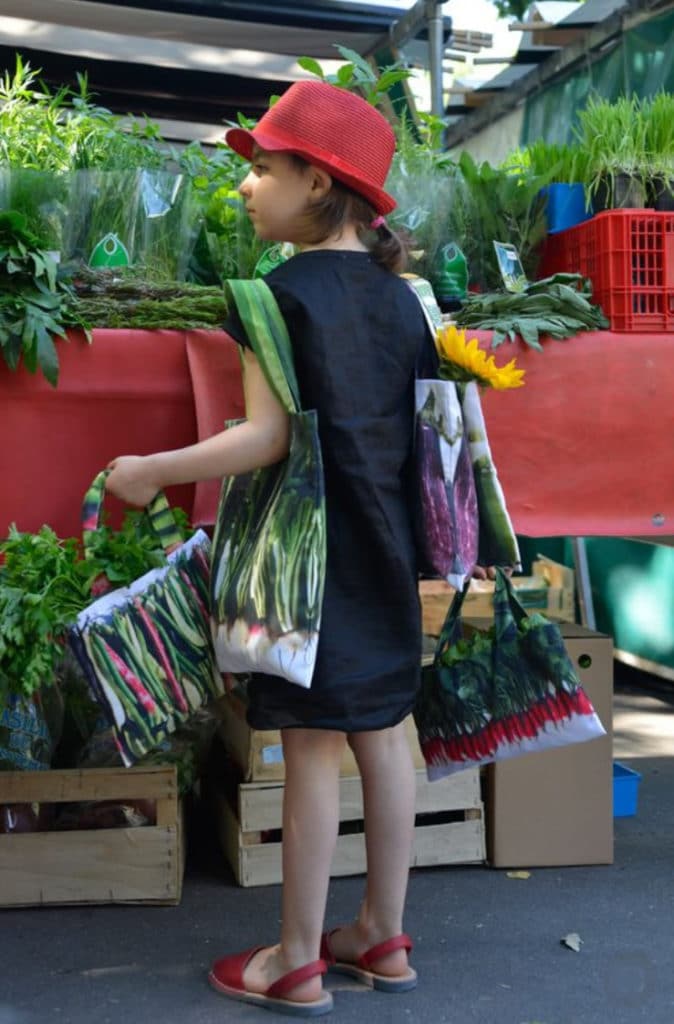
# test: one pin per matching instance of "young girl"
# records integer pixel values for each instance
(319, 159)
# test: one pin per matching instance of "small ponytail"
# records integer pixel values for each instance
(388, 249)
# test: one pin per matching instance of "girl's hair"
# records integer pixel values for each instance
(342, 206)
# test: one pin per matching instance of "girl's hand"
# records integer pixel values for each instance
(481, 572)
(131, 479)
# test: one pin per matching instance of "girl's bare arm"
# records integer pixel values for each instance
(260, 440)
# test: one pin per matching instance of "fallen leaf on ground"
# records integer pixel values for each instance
(518, 874)
(572, 941)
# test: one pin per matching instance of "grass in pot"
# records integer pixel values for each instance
(658, 114)
(613, 137)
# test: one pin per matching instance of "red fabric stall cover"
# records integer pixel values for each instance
(215, 372)
(586, 447)
(127, 392)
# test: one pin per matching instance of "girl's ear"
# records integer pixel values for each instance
(321, 182)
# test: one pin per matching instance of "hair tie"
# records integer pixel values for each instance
(378, 222)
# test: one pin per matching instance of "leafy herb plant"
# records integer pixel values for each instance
(36, 302)
(358, 74)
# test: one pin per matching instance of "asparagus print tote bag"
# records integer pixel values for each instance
(146, 649)
(269, 545)
(499, 693)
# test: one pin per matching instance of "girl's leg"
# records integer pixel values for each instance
(389, 785)
(310, 825)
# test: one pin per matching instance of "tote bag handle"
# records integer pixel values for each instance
(268, 336)
(508, 612)
(159, 512)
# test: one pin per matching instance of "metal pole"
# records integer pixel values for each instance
(583, 585)
(436, 48)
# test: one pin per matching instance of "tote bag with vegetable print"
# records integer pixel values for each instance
(500, 693)
(146, 648)
(269, 544)
(461, 519)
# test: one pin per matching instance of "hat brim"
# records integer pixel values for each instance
(242, 142)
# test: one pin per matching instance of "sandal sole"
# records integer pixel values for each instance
(285, 1006)
(380, 982)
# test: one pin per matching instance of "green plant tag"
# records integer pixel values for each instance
(109, 252)
(272, 257)
(452, 272)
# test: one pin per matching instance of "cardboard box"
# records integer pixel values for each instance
(259, 754)
(556, 807)
(106, 865)
(449, 827)
(550, 590)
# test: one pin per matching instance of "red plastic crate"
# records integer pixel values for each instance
(629, 257)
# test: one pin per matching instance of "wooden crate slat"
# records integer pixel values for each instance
(460, 842)
(260, 805)
(97, 866)
(457, 842)
(120, 865)
(436, 842)
(65, 785)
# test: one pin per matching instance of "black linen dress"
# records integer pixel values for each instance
(356, 331)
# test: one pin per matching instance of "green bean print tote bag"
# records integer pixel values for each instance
(269, 544)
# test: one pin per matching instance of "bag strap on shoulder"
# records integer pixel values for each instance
(268, 336)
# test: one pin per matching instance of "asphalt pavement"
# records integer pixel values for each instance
(487, 949)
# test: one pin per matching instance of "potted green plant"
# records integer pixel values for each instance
(565, 168)
(658, 115)
(94, 187)
(425, 183)
(614, 139)
(501, 204)
(226, 245)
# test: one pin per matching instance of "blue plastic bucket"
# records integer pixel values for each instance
(565, 206)
(625, 789)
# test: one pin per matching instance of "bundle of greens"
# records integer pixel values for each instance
(557, 307)
(45, 583)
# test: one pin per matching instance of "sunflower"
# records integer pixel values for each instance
(464, 360)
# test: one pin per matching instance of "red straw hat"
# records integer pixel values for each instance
(332, 129)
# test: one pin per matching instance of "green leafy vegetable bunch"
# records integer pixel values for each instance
(558, 307)
(45, 582)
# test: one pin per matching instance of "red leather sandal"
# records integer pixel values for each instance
(226, 977)
(361, 969)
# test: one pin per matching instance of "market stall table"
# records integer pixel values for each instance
(584, 448)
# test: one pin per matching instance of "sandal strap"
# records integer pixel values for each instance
(293, 978)
(382, 949)
(326, 949)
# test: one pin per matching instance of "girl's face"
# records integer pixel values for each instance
(278, 194)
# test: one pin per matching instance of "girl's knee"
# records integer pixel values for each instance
(313, 744)
(382, 743)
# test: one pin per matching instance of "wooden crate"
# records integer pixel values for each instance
(550, 590)
(258, 753)
(449, 827)
(114, 865)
